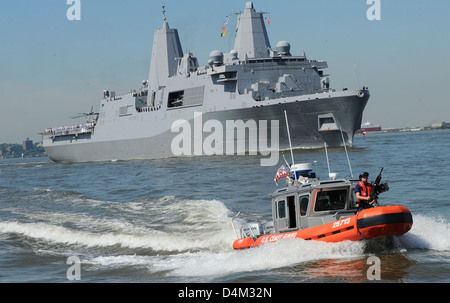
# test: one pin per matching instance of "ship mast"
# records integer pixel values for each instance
(164, 12)
(166, 48)
(251, 39)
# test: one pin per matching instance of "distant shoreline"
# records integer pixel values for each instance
(9, 151)
(401, 130)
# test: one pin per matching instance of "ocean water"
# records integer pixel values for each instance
(170, 220)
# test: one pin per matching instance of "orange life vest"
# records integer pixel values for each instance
(364, 190)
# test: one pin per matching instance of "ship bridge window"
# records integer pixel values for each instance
(331, 200)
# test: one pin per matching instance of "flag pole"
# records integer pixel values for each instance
(290, 144)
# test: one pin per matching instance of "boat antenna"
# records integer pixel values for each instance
(290, 144)
(346, 153)
(328, 162)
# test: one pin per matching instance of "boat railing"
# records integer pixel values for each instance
(232, 224)
(70, 129)
(120, 97)
(247, 230)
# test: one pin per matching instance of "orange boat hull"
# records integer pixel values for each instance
(367, 224)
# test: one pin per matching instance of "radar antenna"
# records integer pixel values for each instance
(164, 12)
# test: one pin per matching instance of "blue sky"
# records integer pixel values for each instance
(52, 68)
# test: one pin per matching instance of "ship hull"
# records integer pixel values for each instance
(138, 138)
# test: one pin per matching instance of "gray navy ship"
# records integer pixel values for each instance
(234, 105)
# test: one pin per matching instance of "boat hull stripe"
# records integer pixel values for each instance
(404, 217)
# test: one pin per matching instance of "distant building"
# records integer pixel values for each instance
(27, 144)
(440, 125)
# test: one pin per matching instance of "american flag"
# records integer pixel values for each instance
(282, 172)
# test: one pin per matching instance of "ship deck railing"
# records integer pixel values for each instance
(145, 109)
(69, 130)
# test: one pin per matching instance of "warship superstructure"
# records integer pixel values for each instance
(251, 84)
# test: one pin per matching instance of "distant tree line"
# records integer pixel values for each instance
(17, 151)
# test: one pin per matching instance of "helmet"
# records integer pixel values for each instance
(363, 174)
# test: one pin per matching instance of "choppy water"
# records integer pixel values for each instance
(170, 220)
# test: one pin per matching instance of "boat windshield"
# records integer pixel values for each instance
(331, 200)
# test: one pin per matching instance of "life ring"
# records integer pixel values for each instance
(361, 94)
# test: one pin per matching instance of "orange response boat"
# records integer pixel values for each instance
(311, 209)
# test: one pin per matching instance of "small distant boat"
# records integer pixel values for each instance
(368, 127)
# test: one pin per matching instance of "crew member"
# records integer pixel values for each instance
(362, 190)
